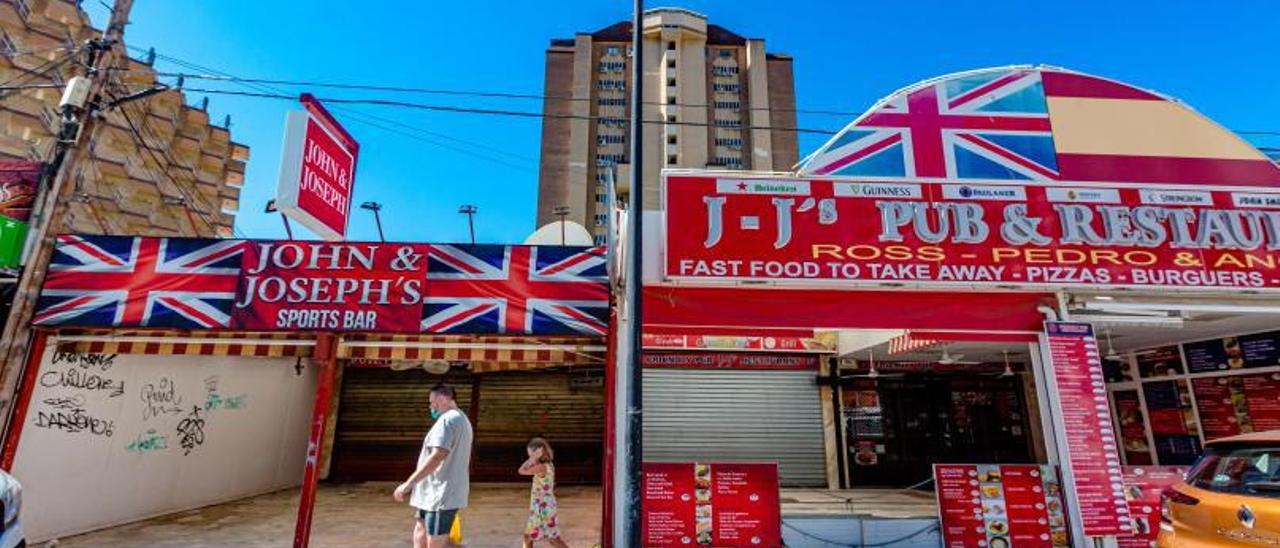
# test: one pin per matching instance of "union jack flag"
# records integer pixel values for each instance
(140, 282)
(516, 290)
(986, 125)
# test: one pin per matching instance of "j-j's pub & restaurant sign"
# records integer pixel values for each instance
(317, 171)
(842, 232)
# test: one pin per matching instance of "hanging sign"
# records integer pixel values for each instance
(792, 231)
(727, 505)
(317, 171)
(1092, 472)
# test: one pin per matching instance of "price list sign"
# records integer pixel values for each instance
(1095, 480)
(1142, 487)
(1000, 505)
(711, 504)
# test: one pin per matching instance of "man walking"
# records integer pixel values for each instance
(440, 485)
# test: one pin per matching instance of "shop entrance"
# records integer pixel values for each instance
(929, 418)
(902, 410)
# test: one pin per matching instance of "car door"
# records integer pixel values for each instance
(1236, 498)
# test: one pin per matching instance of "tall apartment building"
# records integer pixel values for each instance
(713, 99)
(188, 184)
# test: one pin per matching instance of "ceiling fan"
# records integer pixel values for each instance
(958, 359)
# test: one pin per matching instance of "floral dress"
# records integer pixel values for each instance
(542, 506)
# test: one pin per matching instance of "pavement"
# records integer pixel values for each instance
(363, 514)
(359, 514)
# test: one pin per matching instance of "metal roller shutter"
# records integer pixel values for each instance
(736, 415)
(382, 418)
(567, 408)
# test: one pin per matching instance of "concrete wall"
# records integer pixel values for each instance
(113, 439)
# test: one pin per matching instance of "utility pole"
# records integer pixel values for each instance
(82, 104)
(630, 450)
(561, 212)
(470, 211)
(375, 207)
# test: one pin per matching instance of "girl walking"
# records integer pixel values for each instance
(541, 525)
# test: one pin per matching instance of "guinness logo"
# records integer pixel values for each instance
(1246, 516)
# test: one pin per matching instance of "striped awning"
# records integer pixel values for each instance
(482, 354)
(219, 343)
(907, 343)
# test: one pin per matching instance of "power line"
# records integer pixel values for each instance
(496, 112)
(383, 120)
(463, 93)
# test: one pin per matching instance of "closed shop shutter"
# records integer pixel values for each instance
(382, 417)
(736, 415)
(566, 407)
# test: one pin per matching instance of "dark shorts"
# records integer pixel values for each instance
(437, 522)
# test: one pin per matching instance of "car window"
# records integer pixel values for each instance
(1240, 471)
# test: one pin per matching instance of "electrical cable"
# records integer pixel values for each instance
(43, 69)
(140, 140)
(354, 112)
(495, 112)
(464, 93)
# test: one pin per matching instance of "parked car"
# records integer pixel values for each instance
(10, 506)
(1230, 497)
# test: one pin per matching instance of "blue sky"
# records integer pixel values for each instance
(1218, 57)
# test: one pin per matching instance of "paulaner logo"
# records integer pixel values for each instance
(967, 192)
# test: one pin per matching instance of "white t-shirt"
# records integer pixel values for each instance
(446, 488)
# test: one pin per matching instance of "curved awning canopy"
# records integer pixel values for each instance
(1038, 123)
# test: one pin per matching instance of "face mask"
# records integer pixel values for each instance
(435, 414)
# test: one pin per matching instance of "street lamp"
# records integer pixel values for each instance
(375, 207)
(470, 211)
(561, 212)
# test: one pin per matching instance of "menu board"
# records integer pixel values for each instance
(1173, 426)
(1000, 505)
(1142, 487)
(1159, 362)
(711, 504)
(1238, 404)
(1133, 429)
(1245, 351)
(1095, 479)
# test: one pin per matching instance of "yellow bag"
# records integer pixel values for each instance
(455, 532)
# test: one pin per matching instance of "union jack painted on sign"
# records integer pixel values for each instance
(990, 125)
(140, 282)
(516, 290)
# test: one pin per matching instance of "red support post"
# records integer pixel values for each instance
(23, 400)
(326, 356)
(610, 430)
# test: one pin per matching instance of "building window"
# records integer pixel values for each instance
(609, 139)
(728, 123)
(721, 70)
(612, 51)
(671, 139)
(726, 88)
(600, 219)
(671, 63)
(671, 118)
(727, 161)
(601, 198)
(608, 85)
(731, 142)
(612, 66)
(726, 53)
(671, 46)
(673, 159)
(599, 239)
(734, 105)
(611, 102)
(611, 122)
(671, 82)
(671, 100)
(603, 160)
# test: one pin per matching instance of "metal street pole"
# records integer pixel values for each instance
(470, 212)
(561, 212)
(375, 207)
(632, 450)
(79, 126)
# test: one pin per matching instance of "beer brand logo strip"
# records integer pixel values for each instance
(749, 186)
(1176, 197)
(977, 192)
(877, 190)
(1083, 195)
